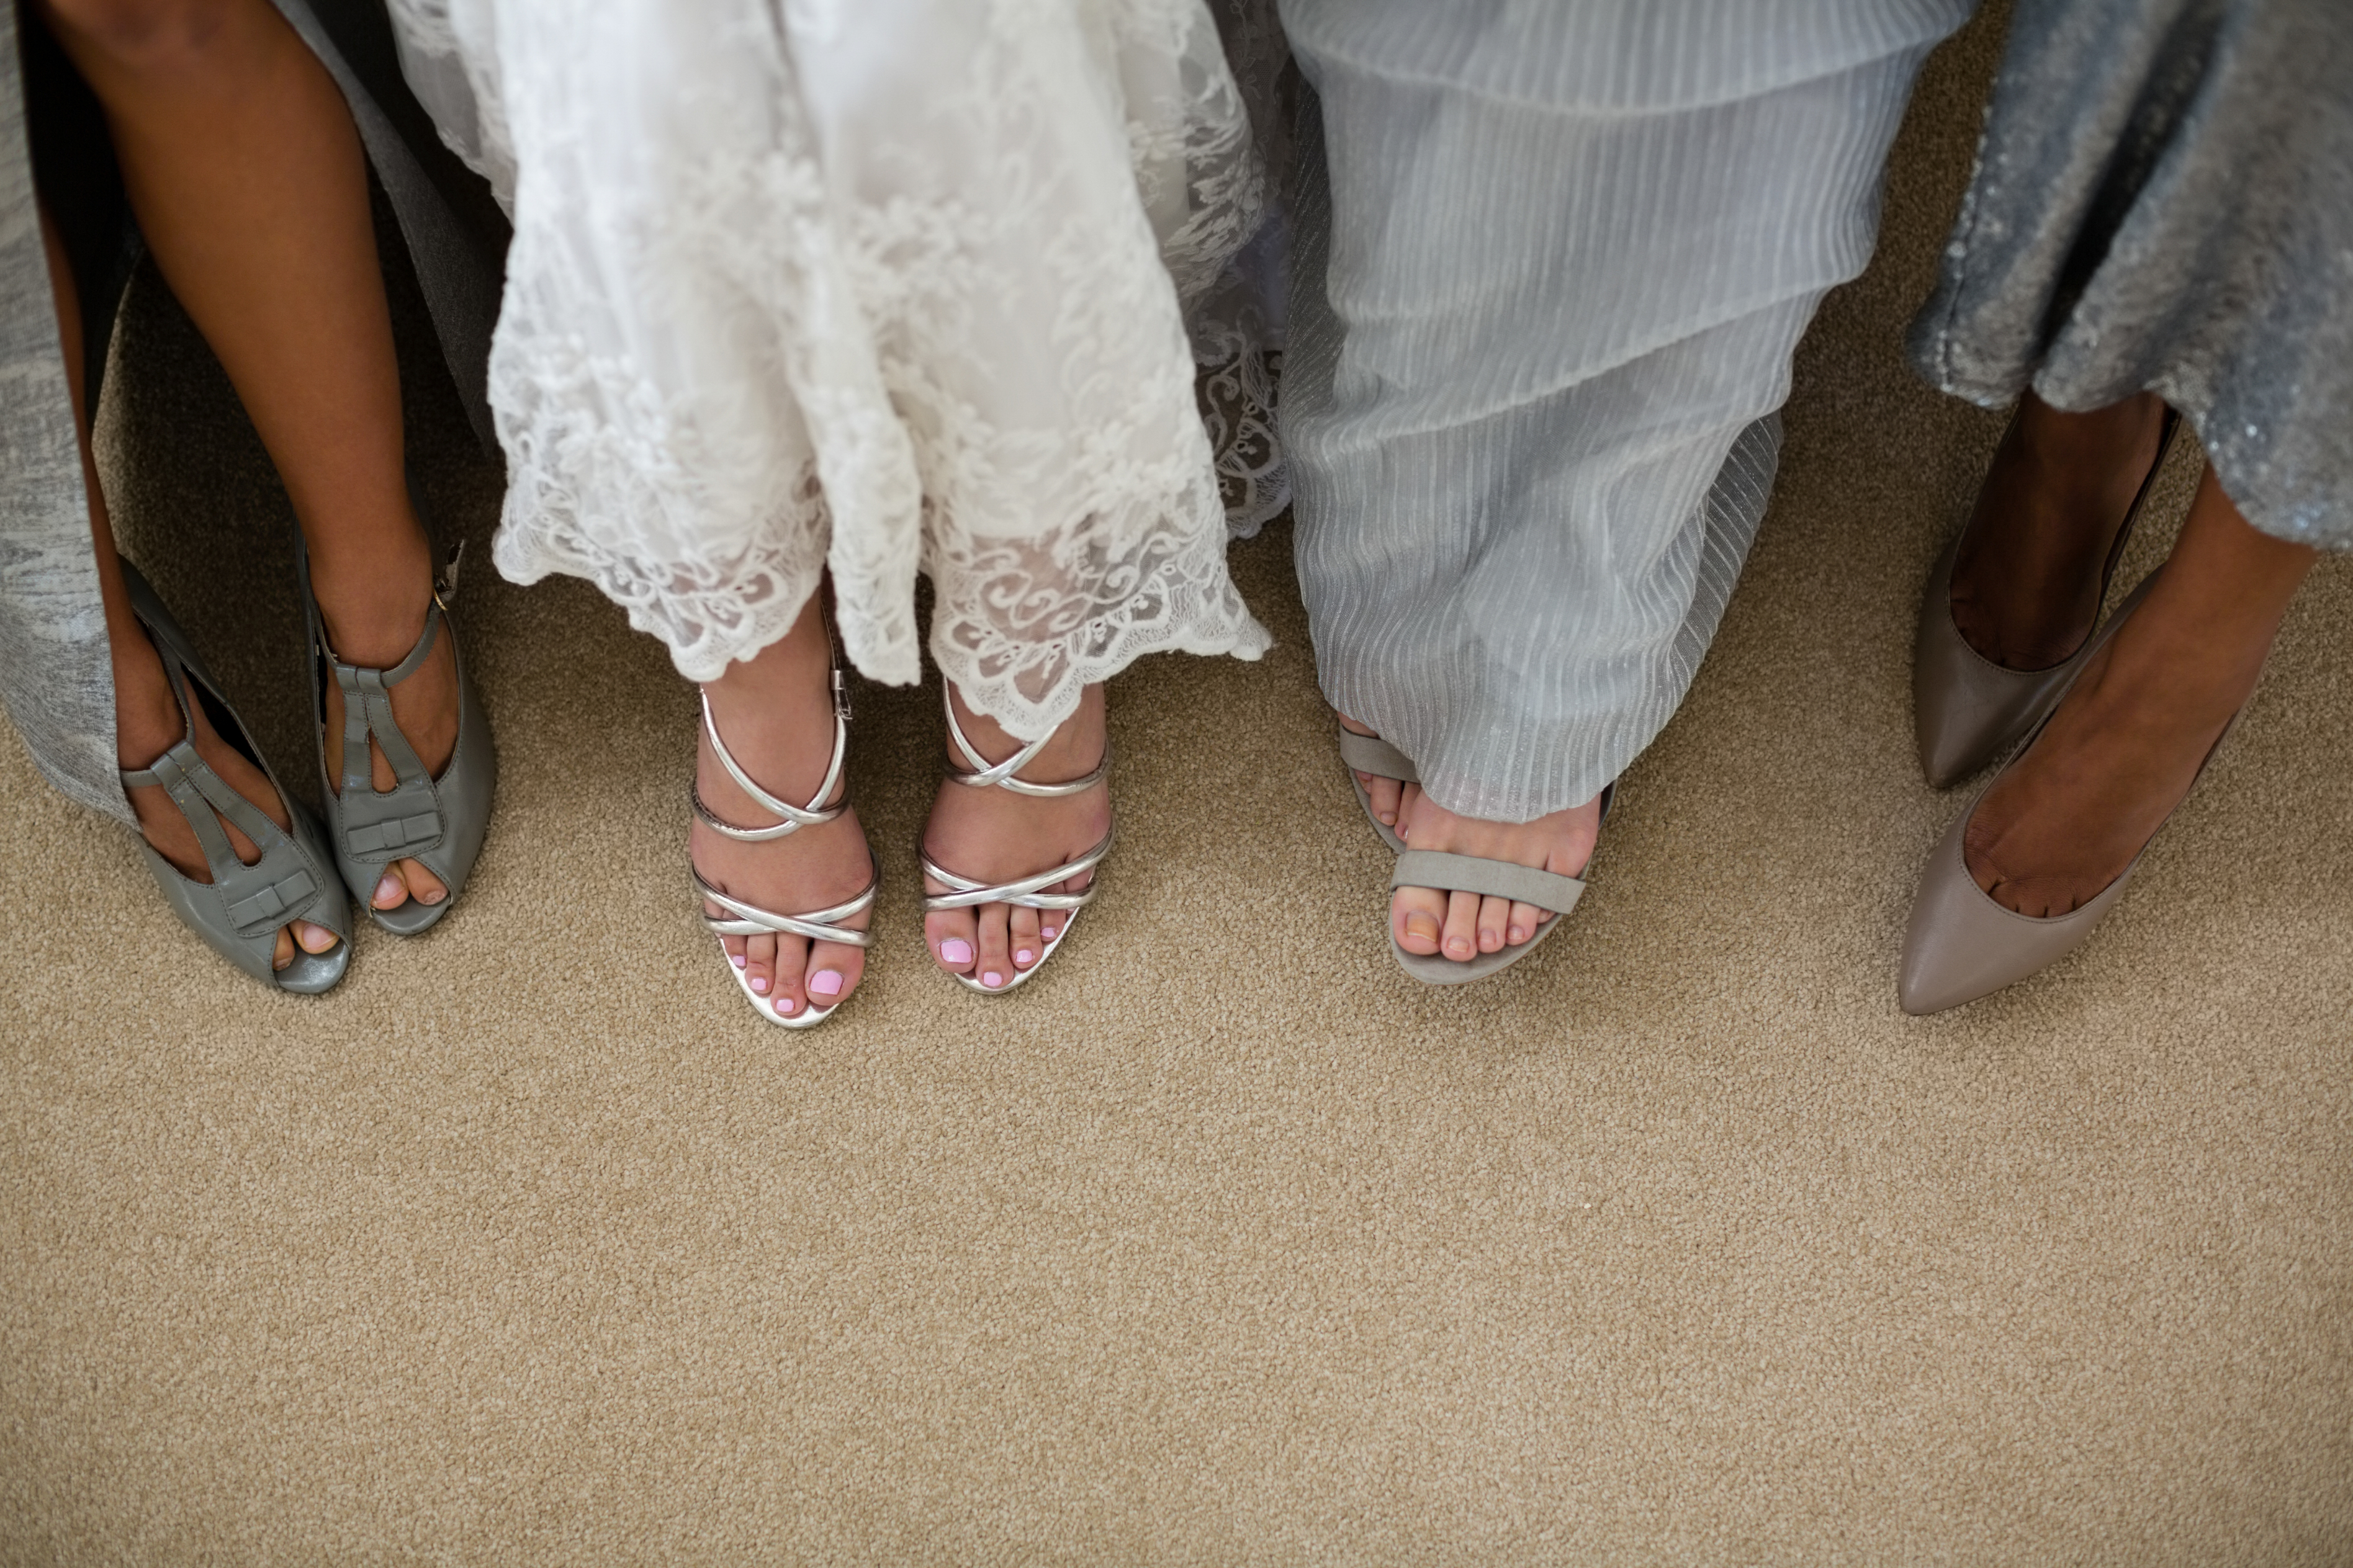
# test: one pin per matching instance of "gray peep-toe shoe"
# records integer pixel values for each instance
(1967, 709)
(1489, 878)
(743, 918)
(239, 910)
(963, 893)
(438, 821)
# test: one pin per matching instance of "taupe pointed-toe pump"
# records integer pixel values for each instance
(1967, 709)
(1961, 944)
(239, 911)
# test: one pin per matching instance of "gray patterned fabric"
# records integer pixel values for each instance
(2164, 202)
(55, 677)
(1551, 264)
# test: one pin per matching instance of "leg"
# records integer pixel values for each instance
(994, 836)
(2026, 585)
(1524, 490)
(146, 716)
(776, 712)
(2128, 742)
(242, 164)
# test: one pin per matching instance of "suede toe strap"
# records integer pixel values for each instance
(1492, 879)
(1371, 754)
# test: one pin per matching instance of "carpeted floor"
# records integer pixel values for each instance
(1222, 1242)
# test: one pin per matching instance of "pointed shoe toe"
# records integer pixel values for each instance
(1961, 944)
(1966, 708)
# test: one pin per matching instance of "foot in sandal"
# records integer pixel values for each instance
(777, 716)
(1003, 838)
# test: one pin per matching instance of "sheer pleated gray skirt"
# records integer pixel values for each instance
(1550, 269)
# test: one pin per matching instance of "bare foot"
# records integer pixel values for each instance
(776, 712)
(2027, 582)
(2066, 820)
(147, 724)
(995, 836)
(375, 629)
(1461, 926)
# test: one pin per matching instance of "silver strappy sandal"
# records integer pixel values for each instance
(749, 920)
(438, 821)
(963, 893)
(239, 910)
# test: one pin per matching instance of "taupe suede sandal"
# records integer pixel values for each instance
(1371, 754)
(1967, 709)
(1961, 944)
(239, 910)
(743, 918)
(1490, 878)
(963, 893)
(438, 821)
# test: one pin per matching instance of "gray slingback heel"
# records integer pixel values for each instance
(743, 918)
(1371, 754)
(1967, 709)
(963, 893)
(438, 821)
(238, 912)
(1489, 878)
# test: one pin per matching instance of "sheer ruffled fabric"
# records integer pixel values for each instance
(876, 287)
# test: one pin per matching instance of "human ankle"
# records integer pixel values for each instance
(373, 619)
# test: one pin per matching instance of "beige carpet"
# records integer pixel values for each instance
(1223, 1242)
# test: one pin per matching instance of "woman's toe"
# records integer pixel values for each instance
(1494, 918)
(281, 949)
(1022, 931)
(313, 937)
(834, 969)
(1417, 917)
(995, 965)
(423, 885)
(760, 963)
(735, 947)
(954, 937)
(1461, 941)
(391, 892)
(791, 996)
(1386, 794)
(1521, 924)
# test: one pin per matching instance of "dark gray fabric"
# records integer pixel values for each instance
(55, 680)
(2164, 202)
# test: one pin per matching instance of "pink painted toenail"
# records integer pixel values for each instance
(992, 979)
(736, 959)
(787, 1004)
(955, 951)
(760, 982)
(1048, 932)
(1024, 956)
(826, 982)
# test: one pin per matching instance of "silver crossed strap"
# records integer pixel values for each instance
(751, 920)
(816, 814)
(963, 892)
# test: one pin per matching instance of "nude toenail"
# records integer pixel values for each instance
(759, 983)
(1422, 926)
(436, 896)
(826, 982)
(1024, 956)
(389, 891)
(992, 979)
(955, 951)
(1518, 934)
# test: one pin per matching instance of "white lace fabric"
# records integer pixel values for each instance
(877, 286)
